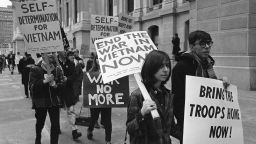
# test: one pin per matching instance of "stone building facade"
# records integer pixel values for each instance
(232, 24)
(6, 29)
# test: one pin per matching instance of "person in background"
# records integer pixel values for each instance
(78, 59)
(25, 65)
(2, 61)
(176, 45)
(18, 57)
(69, 96)
(95, 112)
(11, 61)
(39, 58)
(45, 83)
(142, 128)
(196, 62)
(90, 62)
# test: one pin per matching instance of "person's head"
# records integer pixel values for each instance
(95, 64)
(92, 55)
(49, 58)
(18, 53)
(156, 68)
(200, 42)
(62, 55)
(76, 52)
(176, 35)
(70, 56)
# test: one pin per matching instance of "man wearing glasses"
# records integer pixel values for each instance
(196, 62)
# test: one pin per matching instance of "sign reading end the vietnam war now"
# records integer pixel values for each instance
(123, 54)
(39, 24)
(212, 113)
(100, 95)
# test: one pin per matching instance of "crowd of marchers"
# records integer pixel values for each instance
(54, 81)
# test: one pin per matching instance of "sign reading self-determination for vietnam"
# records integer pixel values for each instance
(102, 27)
(212, 114)
(39, 23)
(100, 95)
(123, 54)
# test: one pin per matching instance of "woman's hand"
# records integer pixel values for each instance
(148, 106)
(225, 81)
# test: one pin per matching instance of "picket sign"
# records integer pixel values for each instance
(145, 94)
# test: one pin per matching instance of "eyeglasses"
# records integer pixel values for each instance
(205, 44)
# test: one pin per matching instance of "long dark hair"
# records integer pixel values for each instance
(153, 62)
(95, 65)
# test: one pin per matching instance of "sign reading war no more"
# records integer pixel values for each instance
(100, 95)
(39, 24)
(212, 113)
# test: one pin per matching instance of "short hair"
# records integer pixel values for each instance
(199, 35)
(153, 62)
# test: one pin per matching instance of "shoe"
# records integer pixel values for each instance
(12, 73)
(108, 142)
(76, 134)
(89, 134)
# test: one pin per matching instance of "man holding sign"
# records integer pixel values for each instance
(197, 62)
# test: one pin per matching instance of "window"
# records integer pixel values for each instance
(67, 14)
(155, 2)
(75, 11)
(60, 15)
(130, 5)
(154, 34)
(110, 8)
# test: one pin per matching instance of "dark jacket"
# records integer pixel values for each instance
(11, 59)
(89, 65)
(42, 94)
(78, 78)
(68, 95)
(24, 67)
(186, 65)
(149, 131)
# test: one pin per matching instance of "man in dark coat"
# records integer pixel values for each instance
(45, 83)
(69, 96)
(176, 45)
(24, 67)
(11, 61)
(197, 62)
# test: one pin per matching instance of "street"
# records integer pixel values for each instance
(17, 122)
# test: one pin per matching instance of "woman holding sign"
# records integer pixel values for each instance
(105, 112)
(140, 124)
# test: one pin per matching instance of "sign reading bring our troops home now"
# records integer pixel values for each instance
(212, 113)
(102, 27)
(39, 24)
(100, 95)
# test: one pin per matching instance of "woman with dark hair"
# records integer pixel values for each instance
(142, 128)
(95, 112)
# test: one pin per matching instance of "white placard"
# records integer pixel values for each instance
(39, 24)
(123, 54)
(212, 114)
(102, 27)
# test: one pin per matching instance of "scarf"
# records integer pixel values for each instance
(204, 67)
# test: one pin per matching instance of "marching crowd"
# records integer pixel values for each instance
(55, 81)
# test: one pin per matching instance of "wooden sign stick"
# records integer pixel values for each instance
(145, 94)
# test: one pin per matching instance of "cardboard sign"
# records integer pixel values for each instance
(102, 27)
(100, 95)
(126, 23)
(123, 54)
(39, 24)
(212, 114)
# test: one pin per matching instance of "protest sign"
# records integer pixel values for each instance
(123, 54)
(39, 24)
(102, 27)
(125, 23)
(100, 95)
(212, 114)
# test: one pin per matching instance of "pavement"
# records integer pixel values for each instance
(17, 121)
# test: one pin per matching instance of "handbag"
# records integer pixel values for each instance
(82, 120)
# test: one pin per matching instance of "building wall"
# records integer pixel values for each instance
(6, 29)
(232, 26)
(230, 22)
